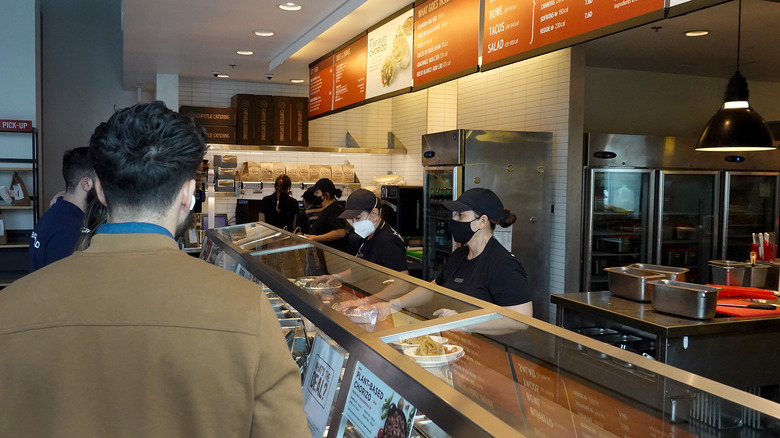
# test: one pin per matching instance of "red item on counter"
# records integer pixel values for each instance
(743, 311)
(743, 291)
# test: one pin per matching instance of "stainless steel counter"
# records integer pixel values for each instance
(737, 351)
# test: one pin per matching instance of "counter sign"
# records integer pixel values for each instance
(16, 125)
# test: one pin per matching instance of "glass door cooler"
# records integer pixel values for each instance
(687, 220)
(617, 222)
(750, 206)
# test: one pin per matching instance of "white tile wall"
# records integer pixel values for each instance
(531, 95)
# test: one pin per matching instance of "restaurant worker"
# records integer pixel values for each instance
(279, 208)
(328, 228)
(133, 337)
(480, 268)
(379, 244)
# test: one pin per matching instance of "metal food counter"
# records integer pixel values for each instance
(482, 371)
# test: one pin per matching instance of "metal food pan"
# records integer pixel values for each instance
(684, 299)
(631, 283)
(727, 272)
(670, 272)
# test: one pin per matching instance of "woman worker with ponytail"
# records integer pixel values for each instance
(280, 208)
(481, 267)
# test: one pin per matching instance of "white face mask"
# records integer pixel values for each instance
(363, 228)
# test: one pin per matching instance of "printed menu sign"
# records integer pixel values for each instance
(374, 409)
(390, 56)
(319, 386)
(349, 69)
(321, 86)
(446, 38)
(512, 27)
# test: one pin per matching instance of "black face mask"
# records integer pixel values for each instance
(461, 231)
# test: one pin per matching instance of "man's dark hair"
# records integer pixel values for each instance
(76, 164)
(144, 154)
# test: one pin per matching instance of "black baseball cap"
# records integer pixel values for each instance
(324, 185)
(360, 200)
(481, 200)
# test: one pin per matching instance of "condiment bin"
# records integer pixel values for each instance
(670, 272)
(727, 272)
(631, 283)
(755, 275)
(684, 299)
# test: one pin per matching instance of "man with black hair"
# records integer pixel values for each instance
(133, 337)
(56, 233)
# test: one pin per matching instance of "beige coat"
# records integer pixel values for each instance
(134, 338)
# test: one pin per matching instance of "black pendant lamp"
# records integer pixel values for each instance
(736, 127)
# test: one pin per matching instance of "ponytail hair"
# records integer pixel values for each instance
(507, 219)
(282, 185)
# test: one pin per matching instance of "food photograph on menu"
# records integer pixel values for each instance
(390, 55)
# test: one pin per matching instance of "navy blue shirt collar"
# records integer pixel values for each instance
(132, 228)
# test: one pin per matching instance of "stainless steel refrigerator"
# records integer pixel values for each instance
(513, 164)
(656, 200)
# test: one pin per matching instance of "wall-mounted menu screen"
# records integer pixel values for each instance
(390, 56)
(349, 68)
(446, 39)
(513, 27)
(321, 86)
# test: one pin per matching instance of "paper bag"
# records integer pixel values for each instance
(348, 173)
(267, 172)
(292, 172)
(19, 191)
(337, 174)
(303, 172)
(279, 169)
(314, 172)
(325, 171)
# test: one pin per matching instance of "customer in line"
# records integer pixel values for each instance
(56, 233)
(480, 267)
(95, 216)
(279, 208)
(133, 337)
(328, 228)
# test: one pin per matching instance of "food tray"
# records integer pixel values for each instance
(631, 283)
(437, 360)
(620, 245)
(684, 299)
(670, 272)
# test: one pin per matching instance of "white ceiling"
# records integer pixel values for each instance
(192, 38)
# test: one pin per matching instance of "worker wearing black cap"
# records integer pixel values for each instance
(379, 243)
(328, 228)
(481, 267)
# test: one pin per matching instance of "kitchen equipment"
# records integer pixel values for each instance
(514, 165)
(755, 275)
(618, 245)
(705, 209)
(684, 299)
(402, 208)
(760, 301)
(670, 272)
(750, 306)
(631, 283)
(596, 331)
(727, 272)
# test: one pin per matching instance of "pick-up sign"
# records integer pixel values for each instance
(16, 125)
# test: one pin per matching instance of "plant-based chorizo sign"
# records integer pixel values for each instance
(349, 68)
(321, 86)
(511, 27)
(446, 38)
(374, 409)
(390, 56)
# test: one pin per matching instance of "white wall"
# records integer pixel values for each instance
(637, 102)
(19, 72)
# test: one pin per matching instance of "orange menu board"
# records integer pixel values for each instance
(349, 69)
(321, 86)
(511, 27)
(446, 38)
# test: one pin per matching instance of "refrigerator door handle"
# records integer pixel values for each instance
(417, 215)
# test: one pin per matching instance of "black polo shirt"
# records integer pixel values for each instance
(386, 248)
(495, 275)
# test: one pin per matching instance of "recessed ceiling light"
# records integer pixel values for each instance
(223, 75)
(697, 33)
(290, 6)
(264, 33)
(245, 52)
(296, 81)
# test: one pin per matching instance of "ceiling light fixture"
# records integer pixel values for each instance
(245, 52)
(697, 33)
(290, 6)
(223, 75)
(264, 33)
(736, 127)
(296, 81)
